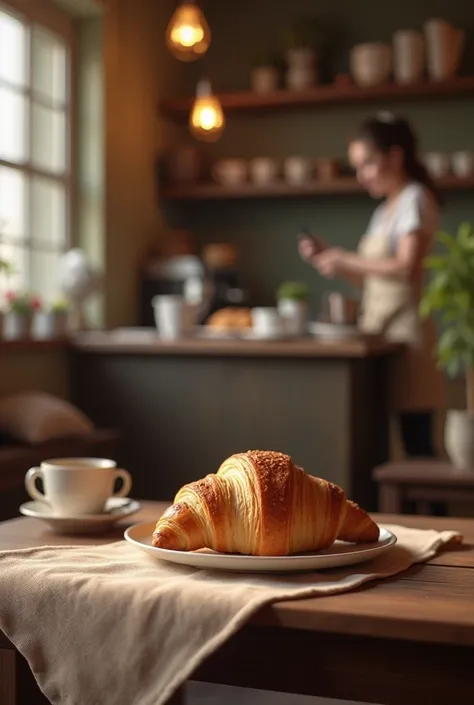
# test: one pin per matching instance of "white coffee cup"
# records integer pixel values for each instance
(173, 316)
(438, 164)
(266, 322)
(463, 164)
(263, 170)
(298, 170)
(77, 486)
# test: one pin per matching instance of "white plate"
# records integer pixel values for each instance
(339, 554)
(117, 508)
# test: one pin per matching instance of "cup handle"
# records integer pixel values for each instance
(126, 478)
(30, 484)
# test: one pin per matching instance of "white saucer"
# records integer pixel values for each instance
(339, 554)
(117, 508)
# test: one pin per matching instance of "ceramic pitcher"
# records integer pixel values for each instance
(445, 45)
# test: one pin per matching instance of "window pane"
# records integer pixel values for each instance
(48, 135)
(44, 274)
(17, 257)
(48, 212)
(13, 38)
(49, 65)
(12, 203)
(12, 126)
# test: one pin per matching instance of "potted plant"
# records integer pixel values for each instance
(265, 74)
(52, 322)
(450, 293)
(20, 310)
(292, 301)
(303, 43)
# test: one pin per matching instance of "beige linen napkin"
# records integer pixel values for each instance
(109, 625)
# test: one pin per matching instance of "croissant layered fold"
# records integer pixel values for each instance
(259, 503)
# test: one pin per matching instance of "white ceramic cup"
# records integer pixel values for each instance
(173, 316)
(438, 164)
(266, 322)
(298, 170)
(230, 172)
(463, 164)
(77, 486)
(263, 170)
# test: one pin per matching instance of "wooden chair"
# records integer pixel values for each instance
(424, 482)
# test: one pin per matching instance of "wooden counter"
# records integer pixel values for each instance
(183, 407)
(150, 344)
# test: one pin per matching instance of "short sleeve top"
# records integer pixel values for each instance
(415, 210)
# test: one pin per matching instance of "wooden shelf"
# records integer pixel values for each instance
(346, 185)
(326, 95)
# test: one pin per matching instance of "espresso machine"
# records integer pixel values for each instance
(210, 282)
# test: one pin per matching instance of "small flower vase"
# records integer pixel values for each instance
(16, 326)
(48, 325)
(264, 79)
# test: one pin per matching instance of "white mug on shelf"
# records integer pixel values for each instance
(298, 170)
(437, 164)
(77, 486)
(463, 164)
(230, 172)
(263, 170)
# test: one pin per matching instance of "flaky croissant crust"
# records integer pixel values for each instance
(260, 503)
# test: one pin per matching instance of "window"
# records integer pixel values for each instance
(35, 154)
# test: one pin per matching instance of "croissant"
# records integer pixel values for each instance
(259, 503)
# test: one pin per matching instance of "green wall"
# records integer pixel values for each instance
(266, 229)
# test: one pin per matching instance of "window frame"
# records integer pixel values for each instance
(46, 15)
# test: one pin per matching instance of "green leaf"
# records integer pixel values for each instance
(435, 262)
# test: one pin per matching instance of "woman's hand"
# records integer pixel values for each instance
(330, 263)
(309, 247)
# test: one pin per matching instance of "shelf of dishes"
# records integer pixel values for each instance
(266, 177)
(342, 92)
(417, 63)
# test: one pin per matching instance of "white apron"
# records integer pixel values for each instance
(390, 307)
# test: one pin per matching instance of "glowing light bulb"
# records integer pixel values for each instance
(188, 35)
(207, 119)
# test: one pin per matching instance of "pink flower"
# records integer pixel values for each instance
(36, 303)
(10, 296)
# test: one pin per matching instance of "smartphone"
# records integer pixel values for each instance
(304, 234)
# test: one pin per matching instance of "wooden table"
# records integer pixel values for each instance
(404, 641)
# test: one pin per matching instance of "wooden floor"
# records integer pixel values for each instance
(206, 694)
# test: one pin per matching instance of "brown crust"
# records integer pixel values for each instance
(275, 476)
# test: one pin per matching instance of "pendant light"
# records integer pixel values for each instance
(206, 121)
(188, 35)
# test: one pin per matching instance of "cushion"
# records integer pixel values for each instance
(36, 417)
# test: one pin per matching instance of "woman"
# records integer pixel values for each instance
(388, 267)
